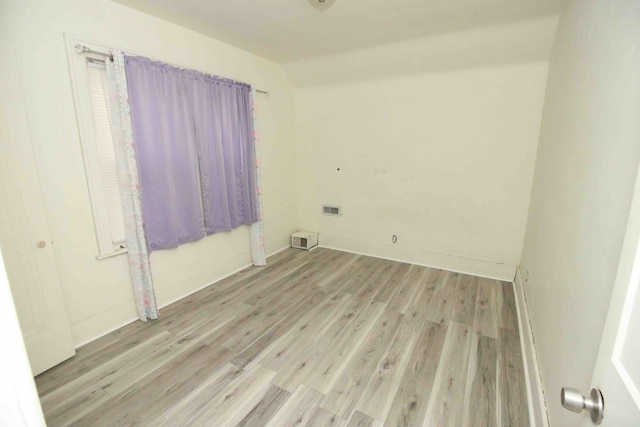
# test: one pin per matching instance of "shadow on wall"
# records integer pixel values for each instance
(515, 43)
(346, 26)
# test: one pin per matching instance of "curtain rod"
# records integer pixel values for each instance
(83, 50)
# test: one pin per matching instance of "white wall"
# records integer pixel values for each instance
(444, 161)
(514, 42)
(588, 157)
(98, 293)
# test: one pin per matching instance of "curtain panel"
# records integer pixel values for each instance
(258, 255)
(161, 99)
(223, 124)
(129, 184)
(195, 139)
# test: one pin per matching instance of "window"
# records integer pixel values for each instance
(94, 119)
(197, 170)
(106, 156)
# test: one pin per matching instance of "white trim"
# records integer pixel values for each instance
(120, 315)
(239, 269)
(630, 304)
(87, 132)
(112, 254)
(535, 393)
(458, 264)
(133, 318)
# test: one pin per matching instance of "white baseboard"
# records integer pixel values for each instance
(201, 287)
(458, 264)
(84, 331)
(122, 315)
(535, 393)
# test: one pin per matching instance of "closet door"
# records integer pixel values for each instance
(24, 231)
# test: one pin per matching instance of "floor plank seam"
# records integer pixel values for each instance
(320, 338)
(106, 392)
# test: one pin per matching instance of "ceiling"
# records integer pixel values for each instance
(293, 30)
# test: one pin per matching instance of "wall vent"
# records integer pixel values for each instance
(331, 210)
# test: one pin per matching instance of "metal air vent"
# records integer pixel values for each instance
(331, 210)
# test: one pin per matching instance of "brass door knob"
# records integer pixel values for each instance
(41, 244)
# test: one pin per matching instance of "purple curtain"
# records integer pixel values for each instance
(194, 140)
(224, 126)
(162, 114)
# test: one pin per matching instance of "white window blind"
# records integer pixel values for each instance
(109, 189)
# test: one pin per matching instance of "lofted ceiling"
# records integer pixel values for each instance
(294, 30)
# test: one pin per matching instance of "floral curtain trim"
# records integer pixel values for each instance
(127, 167)
(257, 228)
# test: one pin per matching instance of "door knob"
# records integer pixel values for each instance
(41, 244)
(573, 400)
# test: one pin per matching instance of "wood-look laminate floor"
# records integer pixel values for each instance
(320, 338)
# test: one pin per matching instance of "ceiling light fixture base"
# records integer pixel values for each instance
(321, 4)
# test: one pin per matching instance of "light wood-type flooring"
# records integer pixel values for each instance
(320, 338)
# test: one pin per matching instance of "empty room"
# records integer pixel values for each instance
(320, 213)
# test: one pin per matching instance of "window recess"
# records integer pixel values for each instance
(94, 120)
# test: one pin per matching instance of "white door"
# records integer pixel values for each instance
(24, 232)
(19, 403)
(617, 371)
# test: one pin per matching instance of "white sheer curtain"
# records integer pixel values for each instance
(126, 163)
(257, 229)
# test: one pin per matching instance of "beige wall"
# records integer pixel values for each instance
(98, 293)
(444, 161)
(471, 47)
(585, 173)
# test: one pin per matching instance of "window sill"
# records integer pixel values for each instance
(112, 254)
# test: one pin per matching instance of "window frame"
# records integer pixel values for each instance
(78, 64)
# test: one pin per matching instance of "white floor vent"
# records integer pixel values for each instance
(304, 240)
